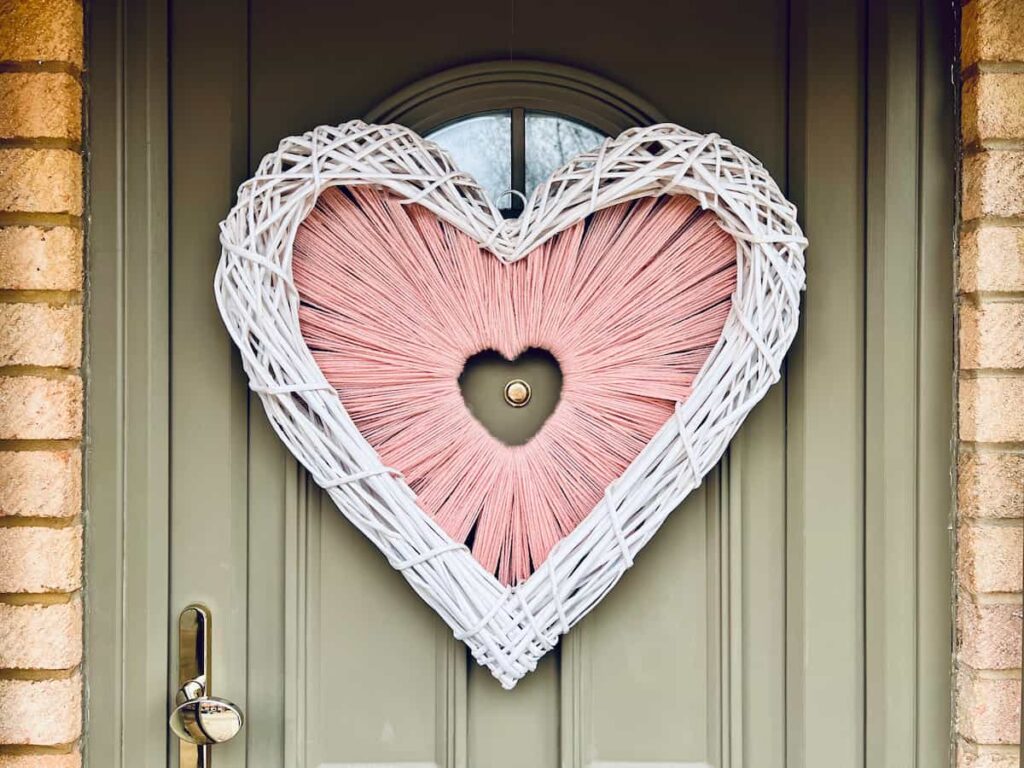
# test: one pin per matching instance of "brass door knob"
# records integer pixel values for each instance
(518, 393)
(204, 720)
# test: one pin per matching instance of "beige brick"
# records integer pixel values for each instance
(991, 31)
(993, 184)
(34, 258)
(990, 484)
(992, 107)
(991, 409)
(40, 559)
(989, 558)
(989, 634)
(40, 334)
(992, 259)
(36, 408)
(41, 30)
(41, 181)
(40, 711)
(40, 483)
(991, 334)
(41, 636)
(40, 105)
(970, 755)
(70, 760)
(988, 710)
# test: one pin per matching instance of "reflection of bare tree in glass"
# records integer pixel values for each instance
(551, 142)
(482, 147)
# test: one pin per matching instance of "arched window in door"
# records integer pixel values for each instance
(514, 150)
(510, 124)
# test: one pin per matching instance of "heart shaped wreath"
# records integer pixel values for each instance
(270, 305)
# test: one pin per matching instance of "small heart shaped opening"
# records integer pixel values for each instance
(512, 398)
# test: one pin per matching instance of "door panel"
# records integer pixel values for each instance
(350, 666)
(739, 638)
(646, 677)
(209, 421)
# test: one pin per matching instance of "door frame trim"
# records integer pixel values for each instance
(906, 626)
(127, 385)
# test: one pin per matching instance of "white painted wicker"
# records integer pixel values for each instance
(509, 629)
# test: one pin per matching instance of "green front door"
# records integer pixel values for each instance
(791, 613)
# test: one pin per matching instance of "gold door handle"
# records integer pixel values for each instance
(204, 720)
(198, 719)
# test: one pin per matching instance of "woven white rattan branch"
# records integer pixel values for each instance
(509, 629)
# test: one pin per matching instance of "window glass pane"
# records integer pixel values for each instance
(481, 146)
(552, 141)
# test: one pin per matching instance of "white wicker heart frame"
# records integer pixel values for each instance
(509, 629)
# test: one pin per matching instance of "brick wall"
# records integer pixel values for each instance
(991, 392)
(41, 199)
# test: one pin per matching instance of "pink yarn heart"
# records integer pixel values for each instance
(394, 301)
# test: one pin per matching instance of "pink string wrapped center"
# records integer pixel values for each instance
(630, 303)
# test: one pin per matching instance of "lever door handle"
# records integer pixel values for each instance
(198, 719)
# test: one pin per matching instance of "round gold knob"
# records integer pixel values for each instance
(517, 393)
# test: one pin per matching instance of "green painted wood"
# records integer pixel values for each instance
(509, 731)
(127, 368)
(209, 459)
(759, 554)
(908, 387)
(891, 553)
(825, 393)
(372, 653)
(273, 502)
(644, 693)
(935, 394)
(786, 612)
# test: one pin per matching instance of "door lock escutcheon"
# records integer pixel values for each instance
(198, 719)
